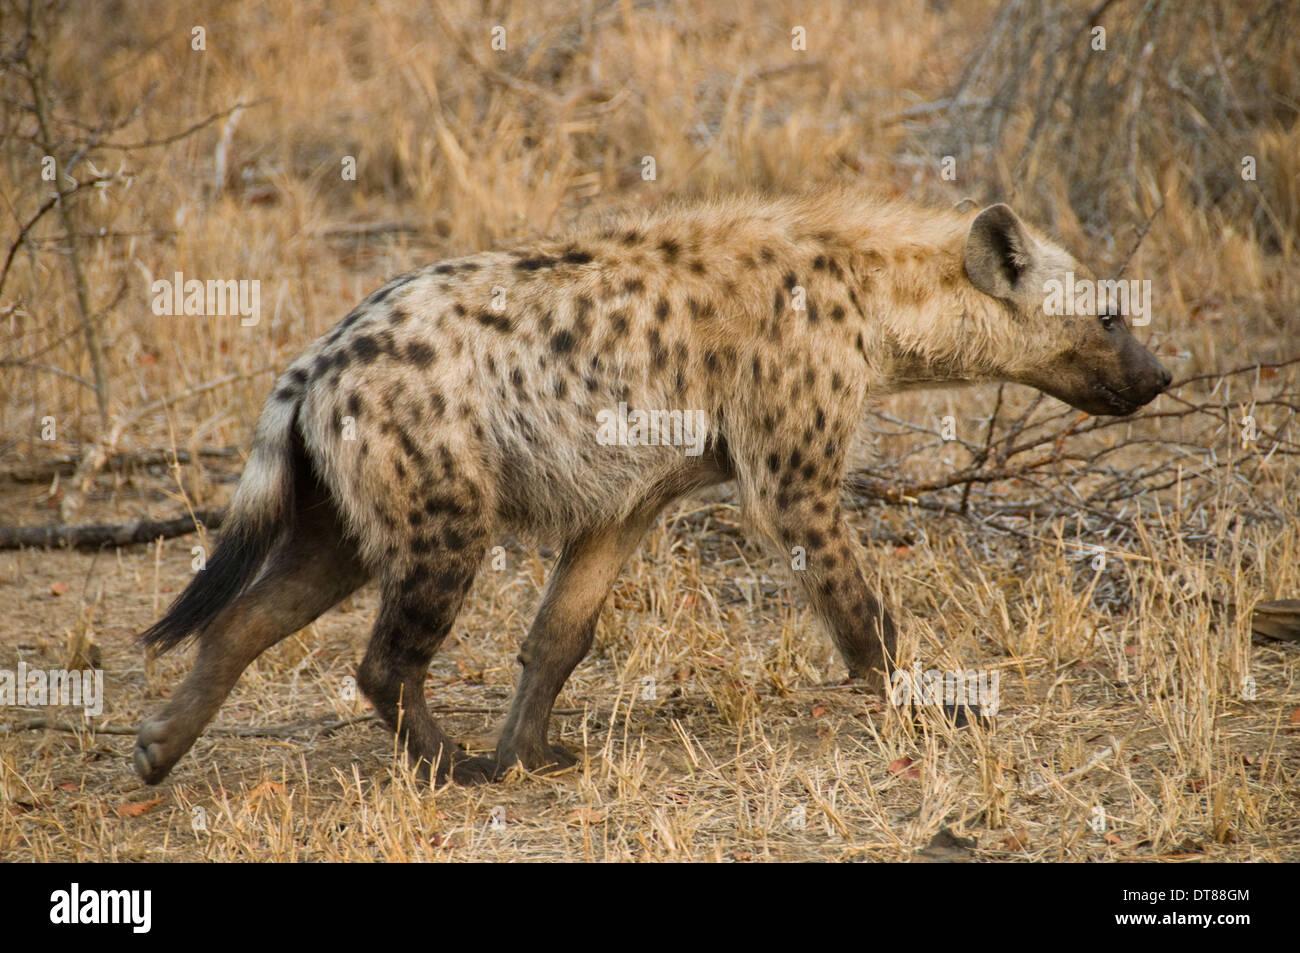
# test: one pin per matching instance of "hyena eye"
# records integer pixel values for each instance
(1107, 320)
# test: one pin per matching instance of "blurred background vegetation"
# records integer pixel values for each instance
(211, 138)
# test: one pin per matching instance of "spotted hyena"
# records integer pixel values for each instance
(461, 401)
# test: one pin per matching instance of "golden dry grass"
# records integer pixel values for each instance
(1123, 689)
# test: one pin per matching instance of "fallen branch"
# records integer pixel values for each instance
(94, 536)
(47, 470)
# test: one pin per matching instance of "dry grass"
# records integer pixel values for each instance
(1122, 689)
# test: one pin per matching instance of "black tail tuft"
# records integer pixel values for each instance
(238, 559)
(258, 516)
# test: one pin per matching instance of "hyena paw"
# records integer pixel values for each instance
(476, 770)
(544, 760)
(157, 749)
(560, 759)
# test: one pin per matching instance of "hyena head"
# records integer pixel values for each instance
(1089, 360)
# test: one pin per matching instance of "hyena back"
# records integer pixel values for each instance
(460, 401)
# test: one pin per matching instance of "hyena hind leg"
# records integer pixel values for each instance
(308, 572)
(420, 602)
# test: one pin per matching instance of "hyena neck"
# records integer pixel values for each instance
(928, 324)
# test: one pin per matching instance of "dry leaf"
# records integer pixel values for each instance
(265, 788)
(903, 766)
(137, 808)
(59, 588)
(1017, 839)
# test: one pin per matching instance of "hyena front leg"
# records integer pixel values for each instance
(561, 636)
(809, 527)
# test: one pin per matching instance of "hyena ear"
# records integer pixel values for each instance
(999, 253)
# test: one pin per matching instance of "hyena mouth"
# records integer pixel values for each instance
(1120, 406)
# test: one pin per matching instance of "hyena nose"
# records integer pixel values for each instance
(1165, 377)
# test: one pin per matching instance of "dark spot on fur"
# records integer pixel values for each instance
(562, 342)
(661, 309)
(533, 264)
(364, 348)
(633, 286)
(696, 267)
(576, 256)
(497, 322)
(379, 296)
(657, 353)
(419, 353)
(700, 309)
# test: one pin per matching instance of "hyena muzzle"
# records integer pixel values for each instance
(460, 401)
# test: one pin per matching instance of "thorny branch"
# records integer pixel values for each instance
(1084, 469)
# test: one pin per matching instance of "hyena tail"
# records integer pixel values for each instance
(260, 513)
